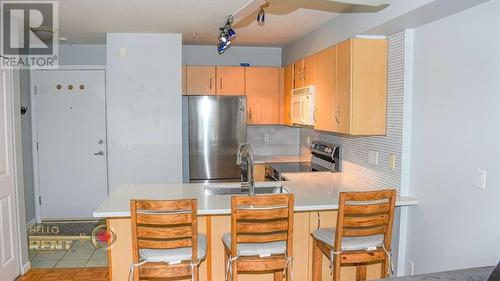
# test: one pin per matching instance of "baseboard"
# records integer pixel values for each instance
(30, 224)
(25, 268)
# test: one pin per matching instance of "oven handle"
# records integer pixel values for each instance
(270, 178)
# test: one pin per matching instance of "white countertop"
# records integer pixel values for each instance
(261, 159)
(313, 192)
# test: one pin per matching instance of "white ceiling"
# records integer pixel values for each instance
(87, 21)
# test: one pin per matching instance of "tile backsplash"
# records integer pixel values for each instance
(273, 140)
(355, 150)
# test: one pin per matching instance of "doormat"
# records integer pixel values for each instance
(60, 235)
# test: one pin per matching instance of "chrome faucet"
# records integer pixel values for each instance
(247, 179)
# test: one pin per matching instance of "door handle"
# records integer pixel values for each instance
(99, 153)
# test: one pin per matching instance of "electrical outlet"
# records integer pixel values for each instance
(481, 179)
(410, 268)
(392, 161)
(266, 138)
(373, 157)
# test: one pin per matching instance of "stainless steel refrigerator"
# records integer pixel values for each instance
(216, 127)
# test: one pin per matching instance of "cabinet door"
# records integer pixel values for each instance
(230, 80)
(288, 94)
(369, 87)
(259, 172)
(325, 99)
(200, 80)
(298, 74)
(308, 71)
(261, 88)
(344, 87)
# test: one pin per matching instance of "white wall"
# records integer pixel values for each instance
(27, 148)
(207, 55)
(400, 15)
(455, 130)
(346, 26)
(144, 108)
(82, 54)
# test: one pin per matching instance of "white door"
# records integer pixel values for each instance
(9, 247)
(71, 130)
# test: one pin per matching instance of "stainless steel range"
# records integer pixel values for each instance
(325, 157)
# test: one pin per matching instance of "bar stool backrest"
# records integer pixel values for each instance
(365, 214)
(163, 224)
(261, 219)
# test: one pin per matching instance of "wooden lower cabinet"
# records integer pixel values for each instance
(212, 268)
(259, 172)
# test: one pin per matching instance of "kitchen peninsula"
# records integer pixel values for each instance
(316, 199)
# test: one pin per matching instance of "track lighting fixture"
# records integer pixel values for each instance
(226, 33)
(261, 16)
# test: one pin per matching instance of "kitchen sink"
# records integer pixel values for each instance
(236, 190)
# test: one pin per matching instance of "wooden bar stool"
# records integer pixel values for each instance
(363, 234)
(261, 236)
(165, 241)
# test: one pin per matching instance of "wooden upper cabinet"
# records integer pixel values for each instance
(325, 70)
(288, 94)
(344, 78)
(362, 87)
(297, 74)
(230, 80)
(262, 91)
(308, 71)
(303, 74)
(183, 79)
(281, 96)
(200, 80)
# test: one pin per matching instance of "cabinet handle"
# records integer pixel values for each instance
(337, 113)
(210, 83)
(220, 80)
(319, 221)
(314, 115)
(250, 113)
(304, 73)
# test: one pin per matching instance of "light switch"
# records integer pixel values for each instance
(373, 157)
(481, 179)
(123, 52)
(126, 147)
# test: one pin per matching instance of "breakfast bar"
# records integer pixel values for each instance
(316, 202)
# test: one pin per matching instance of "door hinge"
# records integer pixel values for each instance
(40, 200)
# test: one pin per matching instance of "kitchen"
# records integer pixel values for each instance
(314, 112)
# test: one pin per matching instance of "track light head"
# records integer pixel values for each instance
(226, 33)
(230, 32)
(261, 16)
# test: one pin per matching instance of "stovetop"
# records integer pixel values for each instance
(296, 167)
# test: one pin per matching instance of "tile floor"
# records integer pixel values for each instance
(81, 254)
